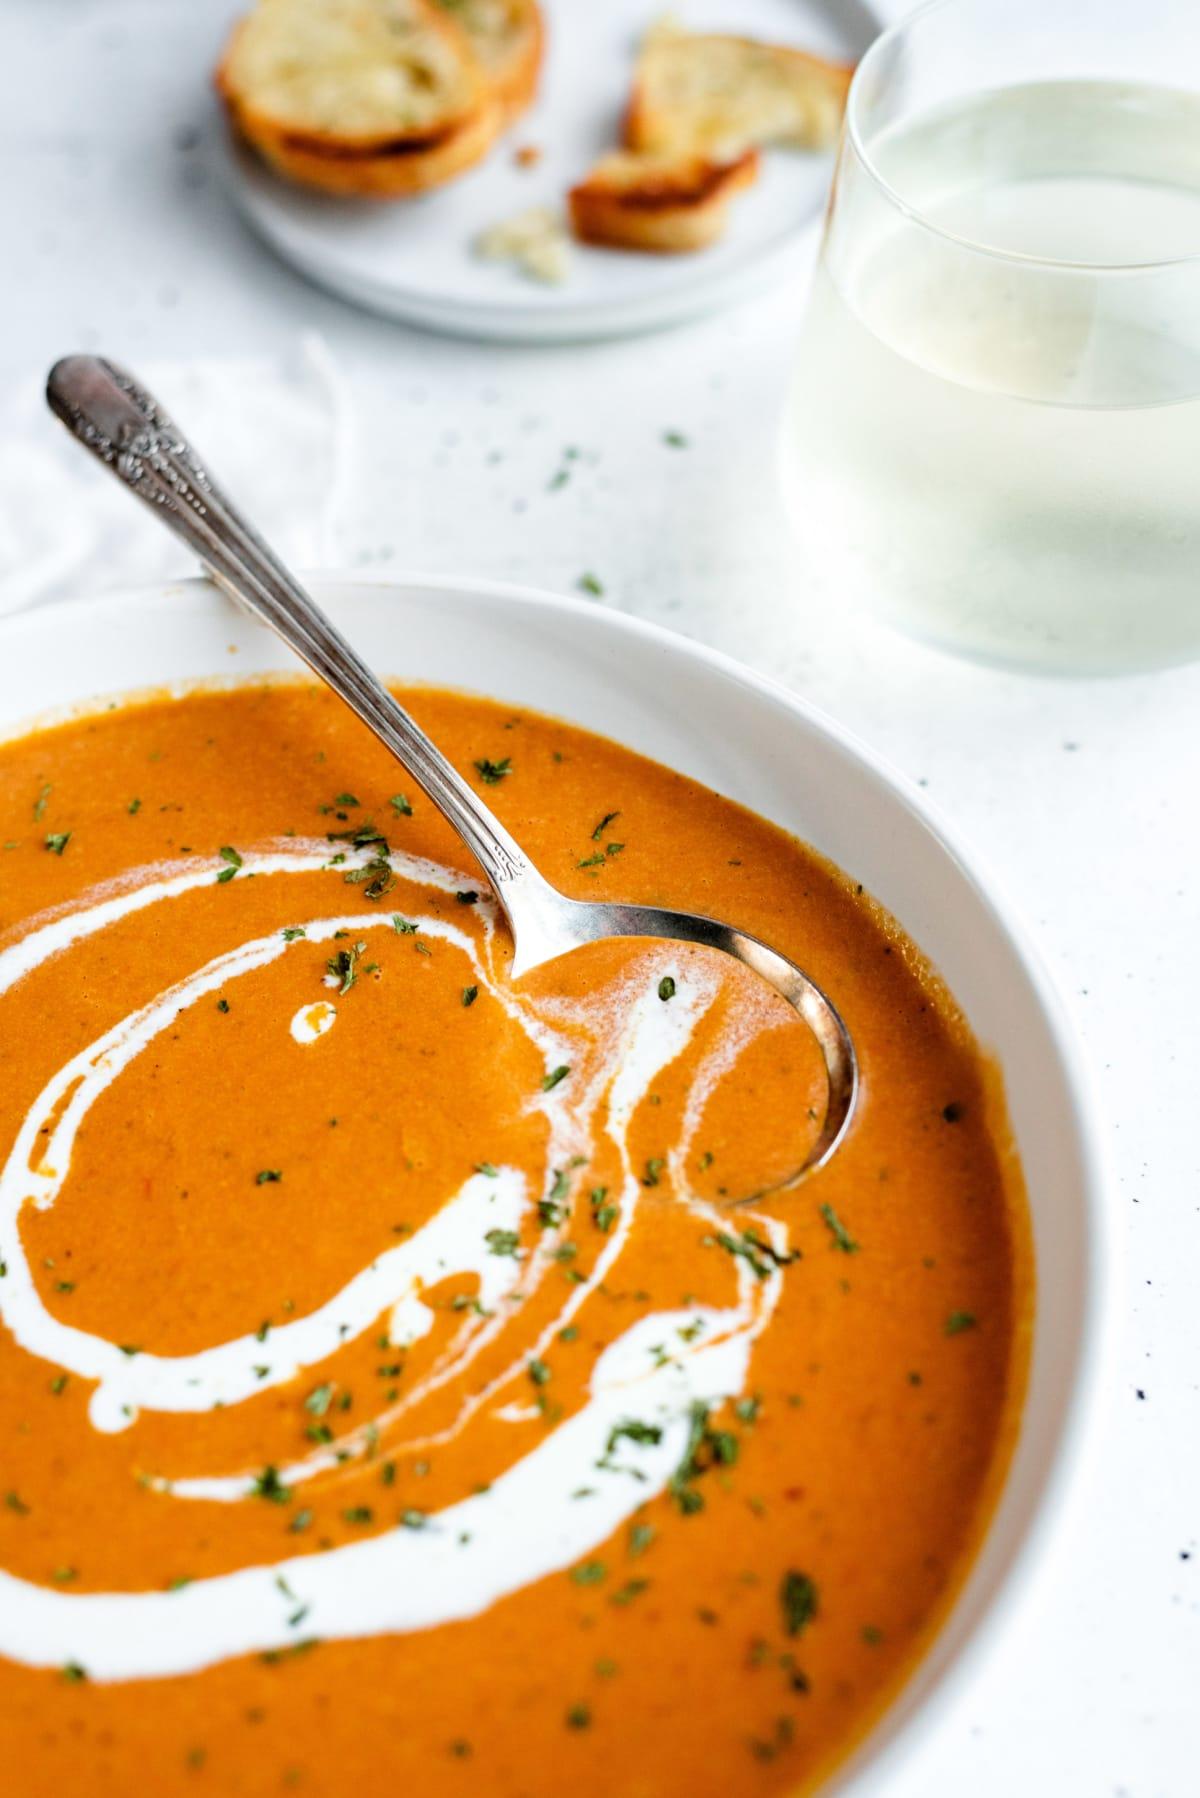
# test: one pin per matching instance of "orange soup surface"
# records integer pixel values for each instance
(394, 1395)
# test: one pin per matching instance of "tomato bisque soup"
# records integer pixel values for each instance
(395, 1391)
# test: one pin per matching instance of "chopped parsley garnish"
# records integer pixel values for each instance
(293, 932)
(400, 805)
(375, 877)
(490, 773)
(467, 1301)
(640, 1538)
(675, 440)
(504, 1242)
(359, 1514)
(538, 1372)
(469, 897)
(317, 1402)
(39, 804)
(706, 1448)
(56, 841)
(233, 862)
(666, 988)
(631, 1430)
(958, 1321)
(268, 1176)
(134, 807)
(555, 1077)
(755, 1250)
(412, 1519)
(603, 1213)
(680, 1485)
(363, 836)
(579, 1716)
(591, 583)
(73, 1673)
(470, 994)
(343, 967)
(268, 1485)
(589, 1573)
(654, 1168)
(402, 927)
(842, 1238)
(798, 1598)
(723, 1446)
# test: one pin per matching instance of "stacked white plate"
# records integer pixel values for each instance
(414, 259)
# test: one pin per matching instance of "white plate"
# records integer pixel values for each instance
(741, 734)
(413, 259)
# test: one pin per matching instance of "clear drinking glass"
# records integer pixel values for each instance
(993, 435)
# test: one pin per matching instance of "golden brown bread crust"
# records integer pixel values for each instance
(702, 105)
(493, 50)
(665, 204)
(389, 171)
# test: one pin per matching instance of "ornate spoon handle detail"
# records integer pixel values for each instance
(127, 430)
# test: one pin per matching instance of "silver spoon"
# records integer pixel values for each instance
(124, 426)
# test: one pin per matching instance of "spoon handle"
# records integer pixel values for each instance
(126, 428)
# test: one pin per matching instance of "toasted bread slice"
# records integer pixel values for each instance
(717, 96)
(666, 203)
(507, 38)
(376, 97)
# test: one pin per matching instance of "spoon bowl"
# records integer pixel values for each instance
(114, 417)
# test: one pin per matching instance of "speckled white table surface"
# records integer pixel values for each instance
(1082, 796)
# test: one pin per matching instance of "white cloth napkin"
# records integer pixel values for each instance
(272, 428)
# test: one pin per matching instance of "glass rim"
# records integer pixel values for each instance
(891, 34)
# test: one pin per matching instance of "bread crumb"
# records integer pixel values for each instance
(535, 241)
(528, 156)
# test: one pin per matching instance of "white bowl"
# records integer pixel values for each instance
(750, 739)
